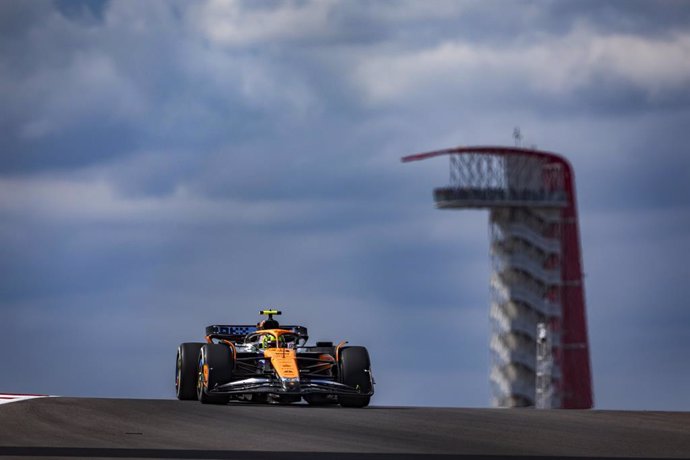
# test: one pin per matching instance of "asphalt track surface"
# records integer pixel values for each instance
(126, 428)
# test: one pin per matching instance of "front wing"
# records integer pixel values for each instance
(304, 387)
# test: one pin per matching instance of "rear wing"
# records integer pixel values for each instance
(237, 333)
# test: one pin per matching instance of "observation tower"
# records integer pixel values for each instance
(537, 271)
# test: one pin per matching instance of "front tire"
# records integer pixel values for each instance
(186, 370)
(215, 368)
(355, 371)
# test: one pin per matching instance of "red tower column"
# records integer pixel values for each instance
(577, 379)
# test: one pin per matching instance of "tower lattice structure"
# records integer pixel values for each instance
(536, 269)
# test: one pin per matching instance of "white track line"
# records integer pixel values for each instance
(6, 398)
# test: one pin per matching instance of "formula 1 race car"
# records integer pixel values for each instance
(269, 363)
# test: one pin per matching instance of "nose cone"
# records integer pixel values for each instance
(290, 384)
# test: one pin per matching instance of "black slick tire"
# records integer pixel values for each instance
(355, 371)
(186, 370)
(218, 362)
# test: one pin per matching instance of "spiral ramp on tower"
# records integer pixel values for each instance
(521, 256)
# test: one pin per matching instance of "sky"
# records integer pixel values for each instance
(166, 165)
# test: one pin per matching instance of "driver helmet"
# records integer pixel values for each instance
(269, 341)
(268, 324)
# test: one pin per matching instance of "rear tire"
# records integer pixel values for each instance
(355, 371)
(186, 370)
(218, 360)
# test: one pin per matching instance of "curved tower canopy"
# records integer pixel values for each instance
(536, 284)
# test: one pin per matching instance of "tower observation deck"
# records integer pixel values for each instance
(537, 268)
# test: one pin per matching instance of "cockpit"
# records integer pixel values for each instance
(275, 338)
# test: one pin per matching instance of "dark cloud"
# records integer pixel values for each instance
(77, 147)
(17, 18)
(647, 169)
(637, 17)
(87, 11)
